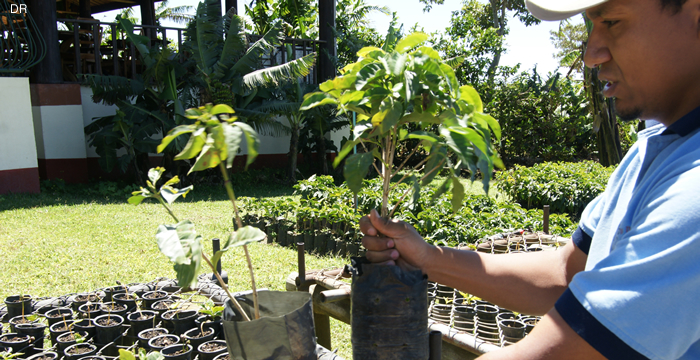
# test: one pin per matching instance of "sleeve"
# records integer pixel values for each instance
(589, 220)
(641, 301)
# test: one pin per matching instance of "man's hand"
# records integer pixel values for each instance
(394, 242)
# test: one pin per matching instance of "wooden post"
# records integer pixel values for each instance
(48, 71)
(326, 23)
(148, 17)
(84, 9)
(322, 322)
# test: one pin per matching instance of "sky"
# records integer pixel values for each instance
(529, 46)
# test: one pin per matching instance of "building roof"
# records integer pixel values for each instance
(98, 6)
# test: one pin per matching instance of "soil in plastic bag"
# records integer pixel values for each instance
(389, 312)
(284, 331)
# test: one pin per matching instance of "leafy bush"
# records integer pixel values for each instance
(565, 187)
(325, 205)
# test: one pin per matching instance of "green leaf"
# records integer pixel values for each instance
(154, 174)
(356, 169)
(208, 158)
(181, 244)
(347, 148)
(221, 109)
(126, 355)
(170, 194)
(409, 77)
(245, 236)
(344, 82)
(424, 118)
(492, 123)
(369, 73)
(137, 199)
(327, 86)
(194, 145)
(242, 236)
(388, 115)
(173, 180)
(457, 194)
(429, 52)
(155, 355)
(233, 135)
(366, 50)
(416, 190)
(317, 99)
(395, 63)
(469, 94)
(442, 188)
(436, 158)
(410, 41)
(423, 135)
(462, 140)
(449, 75)
(252, 142)
(182, 129)
(351, 96)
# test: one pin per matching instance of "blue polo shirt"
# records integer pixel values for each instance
(639, 296)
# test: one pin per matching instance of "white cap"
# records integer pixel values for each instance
(551, 10)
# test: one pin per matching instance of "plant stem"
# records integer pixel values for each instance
(373, 163)
(407, 192)
(386, 173)
(229, 190)
(252, 280)
(405, 161)
(408, 174)
(231, 195)
(167, 208)
(225, 287)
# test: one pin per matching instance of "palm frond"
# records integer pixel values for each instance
(249, 62)
(263, 123)
(208, 38)
(234, 48)
(111, 89)
(278, 107)
(276, 75)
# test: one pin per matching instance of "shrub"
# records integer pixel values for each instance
(325, 205)
(565, 187)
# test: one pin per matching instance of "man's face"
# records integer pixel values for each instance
(648, 56)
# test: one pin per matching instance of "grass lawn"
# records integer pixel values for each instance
(58, 243)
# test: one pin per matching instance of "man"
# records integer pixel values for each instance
(628, 286)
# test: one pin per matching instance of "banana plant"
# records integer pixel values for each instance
(407, 82)
(215, 138)
(228, 66)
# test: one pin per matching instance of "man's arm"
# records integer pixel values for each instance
(552, 339)
(530, 283)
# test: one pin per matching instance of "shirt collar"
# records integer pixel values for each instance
(685, 125)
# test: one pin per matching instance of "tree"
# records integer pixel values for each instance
(496, 13)
(300, 14)
(177, 14)
(353, 29)
(569, 39)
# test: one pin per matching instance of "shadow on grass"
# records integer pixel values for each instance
(256, 184)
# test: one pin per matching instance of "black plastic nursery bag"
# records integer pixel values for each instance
(285, 330)
(389, 312)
